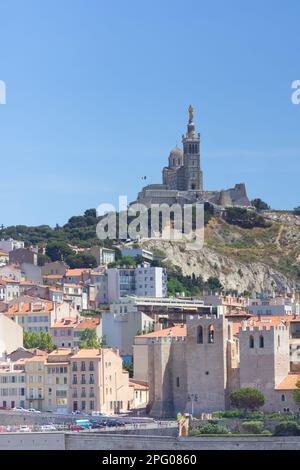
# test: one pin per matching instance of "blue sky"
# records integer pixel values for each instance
(97, 95)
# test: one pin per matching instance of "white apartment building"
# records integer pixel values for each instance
(140, 281)
(77, 294)
(151, 282)
(9, 289)
(11, 244)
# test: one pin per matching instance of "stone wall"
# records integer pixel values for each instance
(93, 441)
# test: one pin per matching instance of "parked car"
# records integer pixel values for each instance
(76, 427)
(18, 408)
(48, 427)
(32, 410)
(24, 428)
(76, 412)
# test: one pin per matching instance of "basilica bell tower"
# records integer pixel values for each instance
(193, 177)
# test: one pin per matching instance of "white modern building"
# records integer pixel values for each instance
(140, 281)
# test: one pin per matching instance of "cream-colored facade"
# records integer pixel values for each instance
(11, 336)
(12, 385)
(99, 383)
(57, 378)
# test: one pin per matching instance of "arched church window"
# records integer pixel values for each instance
(251, 342)
(278, 341)
(200, 335)
(211, 334)
(261, 341)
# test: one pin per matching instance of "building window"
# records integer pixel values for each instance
(261, 341)
(83, 405)
(211, 334)
(75, 379)
(91, 367)
(278, 341)
(282, 397)
(74, 367)
(200, 335)
(177, 382)
(83, 366)
(251, 342)
(83, 379)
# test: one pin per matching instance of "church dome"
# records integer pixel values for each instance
(175, 158)
(176, 152)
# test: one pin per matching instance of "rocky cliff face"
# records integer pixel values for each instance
(260, 259)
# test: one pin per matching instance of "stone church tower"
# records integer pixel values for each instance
(193, 178)
(183, 172)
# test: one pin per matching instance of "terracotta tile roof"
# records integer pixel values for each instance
(37, 352)
(77, 323)
(260, 322)
(88, 323)
(76, 272)
(289, 383)
(138, 385)
(60, 352)
(23, 308)
(65, 323)
(9, 280)
(87, 353)
(179, 330)
(36, 358)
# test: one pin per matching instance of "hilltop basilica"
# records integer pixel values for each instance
(183, 178)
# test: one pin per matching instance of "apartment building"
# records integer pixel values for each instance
(140, 281)
(35, 314)
(12, 385)
(98, 382)
(57, 380)
(67, 332)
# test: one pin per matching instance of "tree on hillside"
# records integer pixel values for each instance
(259, 204)
(38, 339)
(89, 339)
(58, 251)
(82, 260)
(297, 210)
(214, 284)
(247, 399)
(124, 261)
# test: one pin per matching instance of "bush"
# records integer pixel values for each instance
(209, 428)
(247, 399)
(266, 432)
(239, 414)
(244, 218)
(289, 428)
(253, 427)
